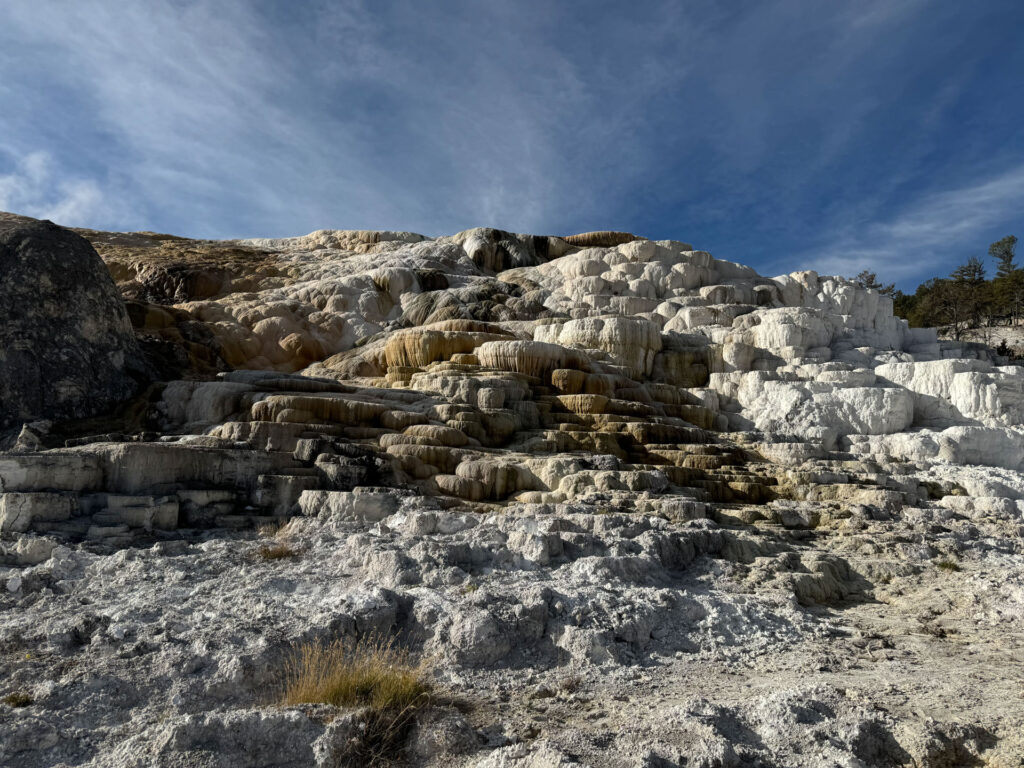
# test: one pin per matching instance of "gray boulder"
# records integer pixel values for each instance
(67, 349)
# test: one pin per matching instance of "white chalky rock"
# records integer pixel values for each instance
(955, 390)
(821, 411)
(985, 446)
(630, 341)
(985, 506)
(344, 505)
(19, 510)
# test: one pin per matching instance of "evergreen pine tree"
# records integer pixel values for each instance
(971, 290)
(1008, 285)
(1003, 251)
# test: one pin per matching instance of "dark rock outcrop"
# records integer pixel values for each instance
(66, 345)
(604, 239)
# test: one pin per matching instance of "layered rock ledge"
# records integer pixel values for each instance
(640, 506)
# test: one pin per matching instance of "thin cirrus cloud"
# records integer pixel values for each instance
(783, 134)
(933, 225)
(178, 104)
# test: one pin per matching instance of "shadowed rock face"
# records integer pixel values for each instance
(66, 346)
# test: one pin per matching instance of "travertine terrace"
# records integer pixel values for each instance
(638, 506)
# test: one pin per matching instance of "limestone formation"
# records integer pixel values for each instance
(638, 506)
(629, 341)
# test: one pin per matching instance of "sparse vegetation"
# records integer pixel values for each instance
(18, 699)
(929, 627)
(373, 673)
(278, 549)
(947, 565)
(270, 530)
(966, 299)
(282, 550)
(868, 279)
(570, 684)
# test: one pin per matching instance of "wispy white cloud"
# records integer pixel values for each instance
(336, 122)
(752, 128)
(193, 96)
(928, 237)
(356, 117)
(35, 188)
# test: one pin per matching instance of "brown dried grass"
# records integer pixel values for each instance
(280, 547)
(18, 699)
(373, 673)
(279, 551)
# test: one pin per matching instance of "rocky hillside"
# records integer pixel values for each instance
(631, 505)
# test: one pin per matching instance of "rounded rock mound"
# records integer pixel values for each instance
(67, 349)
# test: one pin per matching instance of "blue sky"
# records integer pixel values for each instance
(785, 134)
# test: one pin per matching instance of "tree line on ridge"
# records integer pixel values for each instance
(967, 299)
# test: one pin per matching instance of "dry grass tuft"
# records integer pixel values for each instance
(570, 684)
(948, 565)
(280, 551)
(373, 673)
(269, 530)
(18, 699)
(280, 547)
(278, 529)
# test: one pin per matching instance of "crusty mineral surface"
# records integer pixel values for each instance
(635, 506)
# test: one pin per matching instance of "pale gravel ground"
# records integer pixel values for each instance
(166, 655)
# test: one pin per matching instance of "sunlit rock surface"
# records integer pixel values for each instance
(638, 507)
